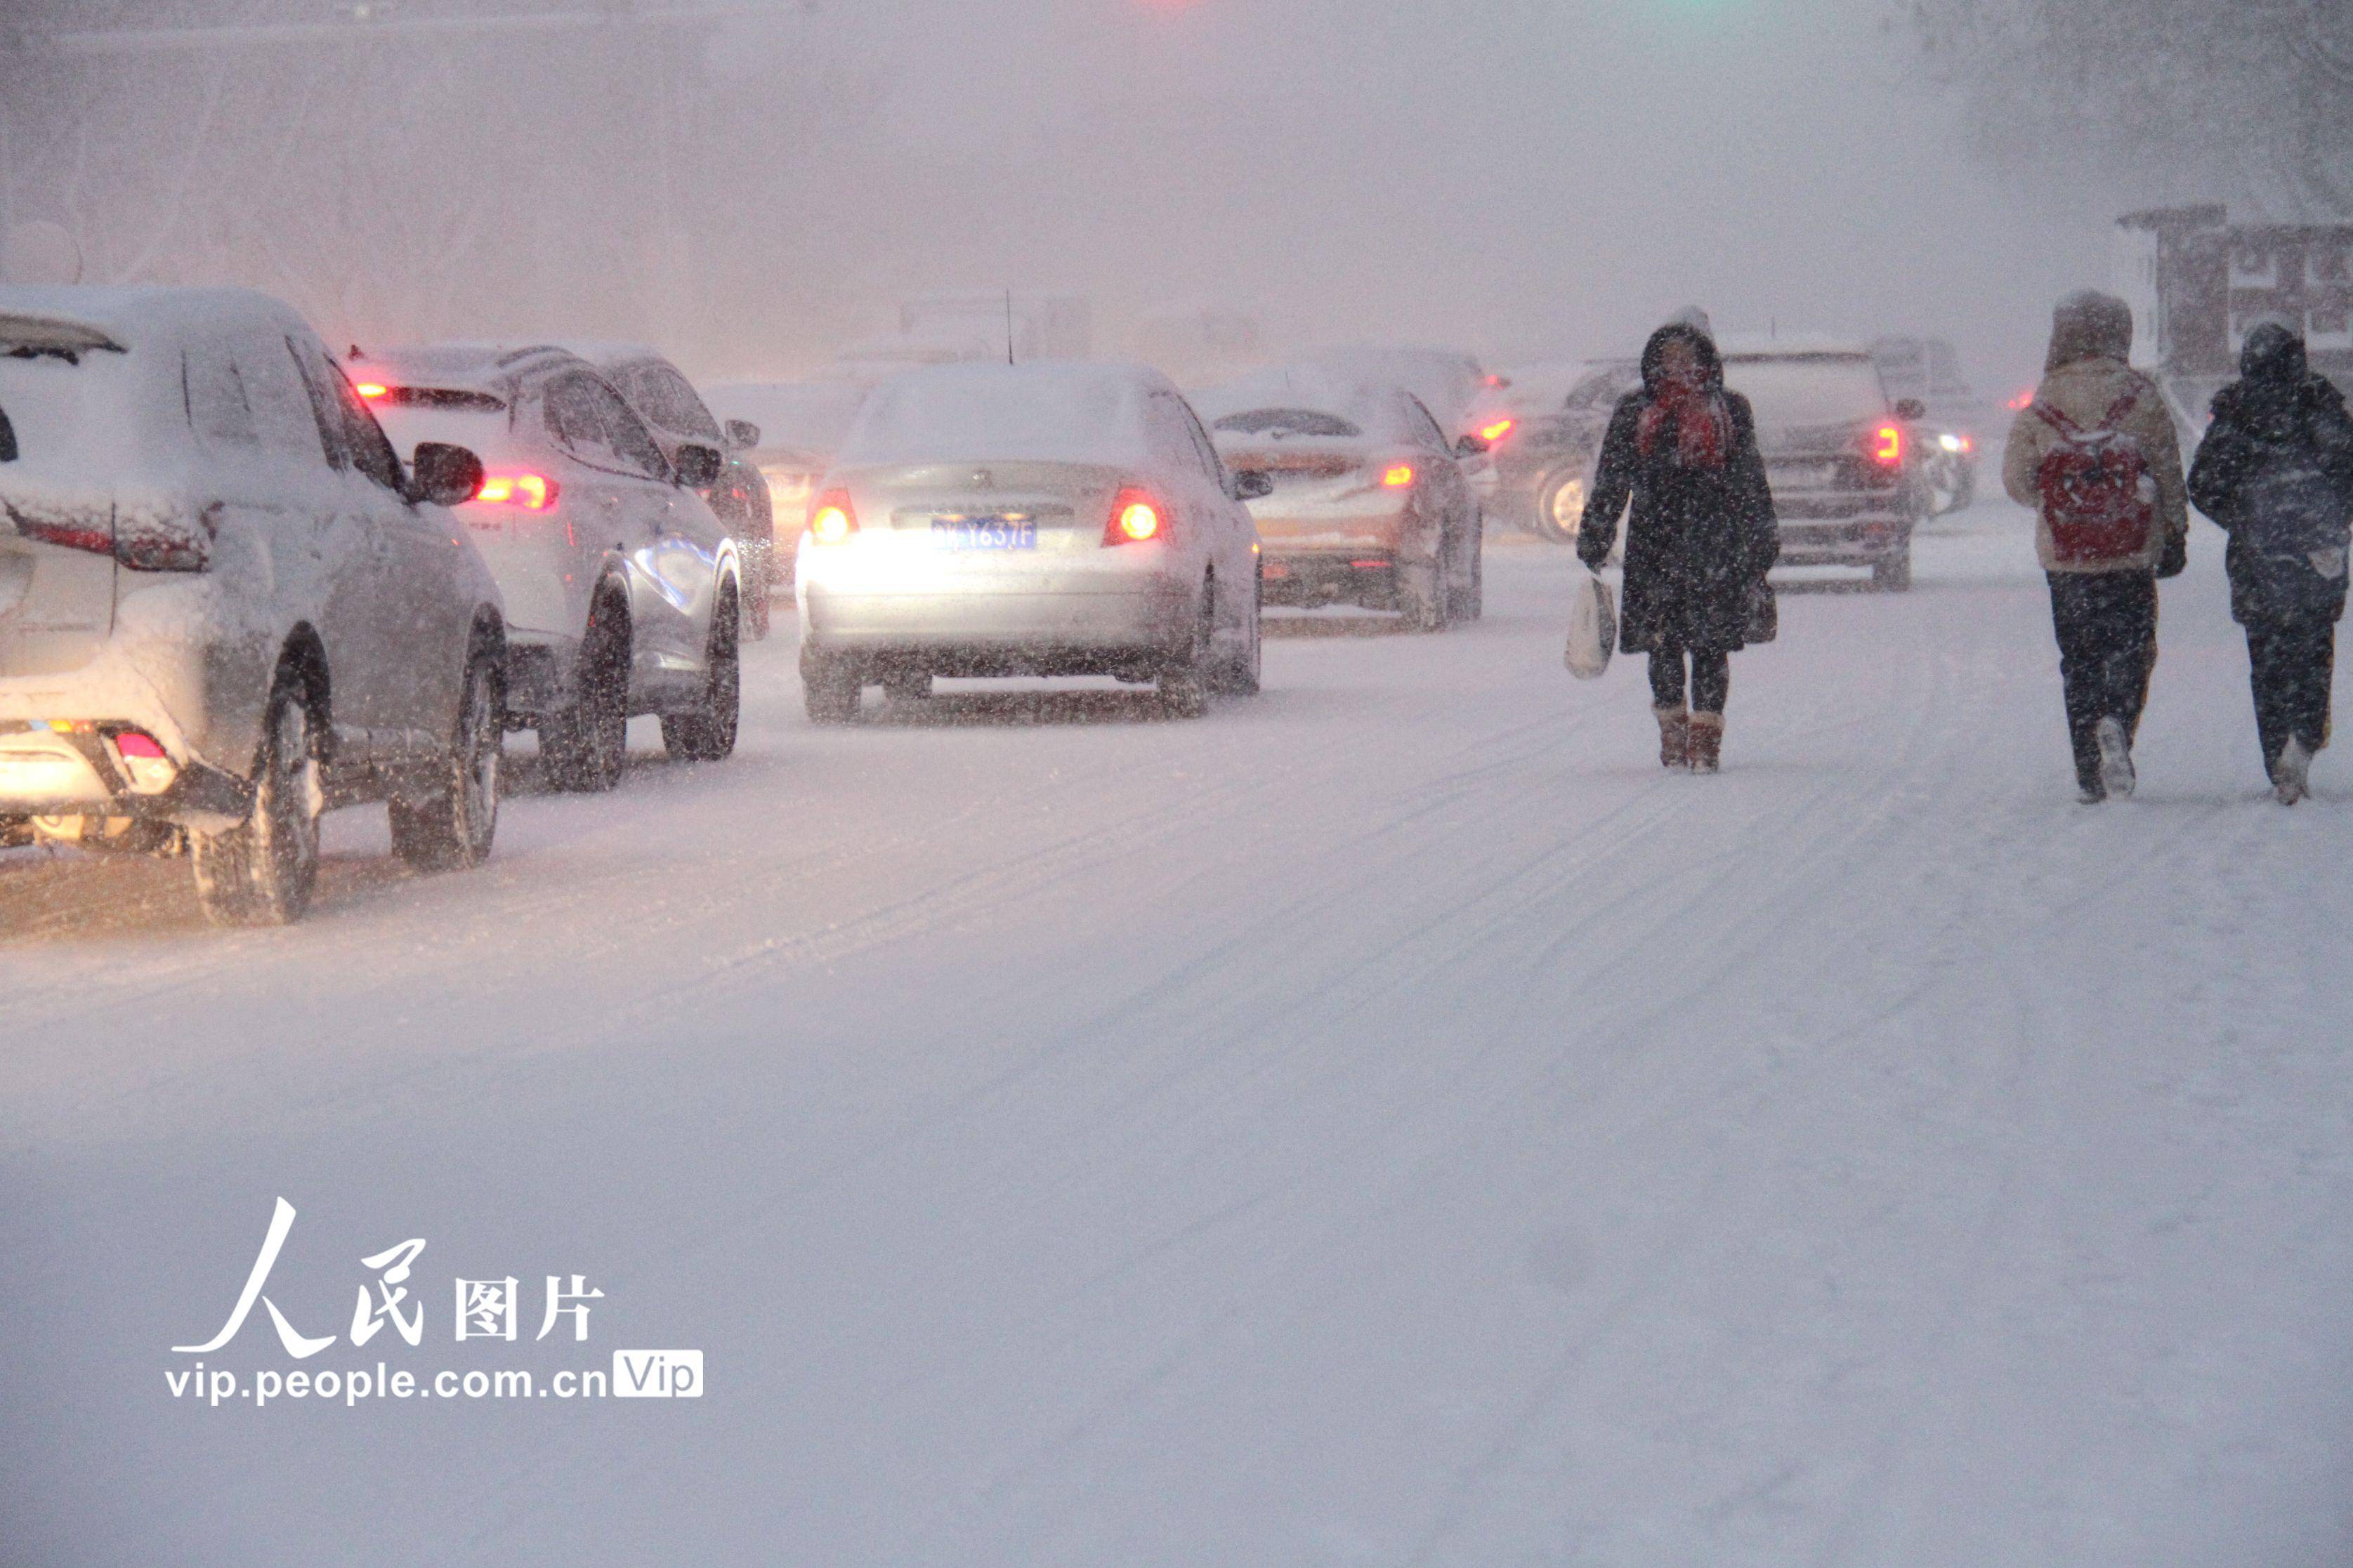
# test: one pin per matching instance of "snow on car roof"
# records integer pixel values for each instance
(1373, 407)
(464, 366)
(1064, 410)
(1750, 345)
(607, 355)
(126, 314)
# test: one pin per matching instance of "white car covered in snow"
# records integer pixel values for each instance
(224, 605)
(623, 590)
(1054, 518)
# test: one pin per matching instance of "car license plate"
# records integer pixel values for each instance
(985, 533)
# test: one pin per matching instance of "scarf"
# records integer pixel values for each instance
(1703, 426)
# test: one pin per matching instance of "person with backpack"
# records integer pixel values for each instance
(2094, 455)
(2275, 472)
(1701, 538)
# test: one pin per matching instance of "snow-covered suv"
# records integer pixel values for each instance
(224, 604)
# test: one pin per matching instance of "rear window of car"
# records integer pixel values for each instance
(958, 412)
(1790, 391)
(1281, 422)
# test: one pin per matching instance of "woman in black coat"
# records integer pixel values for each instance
(2275, 471)
(1701, 539)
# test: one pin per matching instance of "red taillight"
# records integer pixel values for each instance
(532, 493)
(1135, 517)
(1968, 443)
(1496, 430)
(133, 743)
(1398, 476)
(2023, 399)
(1887, 445)
(371, 389)
(832, 519)
(67, 535)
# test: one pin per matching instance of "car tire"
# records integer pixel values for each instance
(830, 689)
(1239, 675)
(1422, 593)
(583, 746)
(760, 587)
(452, 831)
(1184, 688)
(1470, 596)
(1561, 490)
(1892, 573)
(261, 872)
(706, 733)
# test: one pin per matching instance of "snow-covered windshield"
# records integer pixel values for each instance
(1281, 422)
(1037, 413)
(1794, 391)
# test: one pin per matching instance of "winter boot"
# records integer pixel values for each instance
(1675, 737)
(2291, 774)
(1706, 742)
(2115, 759)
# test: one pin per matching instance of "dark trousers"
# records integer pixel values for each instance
(2290, 662)
(1711, 680)
(2106, 624)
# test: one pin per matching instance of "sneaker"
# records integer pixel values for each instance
(2115, 760)
(2290, 776)
(2090, 793)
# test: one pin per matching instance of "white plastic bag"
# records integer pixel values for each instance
(1592, 629)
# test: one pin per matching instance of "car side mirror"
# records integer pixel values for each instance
(1472, 446)
(1911, 408)
(742, 435)
(443, 475)
(1252, 484)
(698, 465)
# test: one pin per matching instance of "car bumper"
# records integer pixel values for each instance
(1857, 540)
(1305, 578)
(49, 772)
(969, 626)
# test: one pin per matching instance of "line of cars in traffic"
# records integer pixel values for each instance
(244, 580)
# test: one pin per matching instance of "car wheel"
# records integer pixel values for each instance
(1893, 573)
(1470, 594)
(583, 746)
(1238, 674)
(830, 689)
(452, 831)
(1561, 505)
(1184, 688)
(707, 733)
(1422, 595)
(261, 872)
(760, 586)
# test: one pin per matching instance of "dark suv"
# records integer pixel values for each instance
(1839, 454)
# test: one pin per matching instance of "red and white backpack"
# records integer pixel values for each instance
(2099, 499)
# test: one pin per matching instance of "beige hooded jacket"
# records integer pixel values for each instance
(2085, 374)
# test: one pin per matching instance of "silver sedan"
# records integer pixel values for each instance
(1048, 519)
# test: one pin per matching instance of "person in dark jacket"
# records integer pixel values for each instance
(2275, 471)
(1699, 540)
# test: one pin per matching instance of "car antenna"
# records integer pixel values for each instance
(1009, 326)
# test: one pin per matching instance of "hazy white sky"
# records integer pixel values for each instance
(1526, 176)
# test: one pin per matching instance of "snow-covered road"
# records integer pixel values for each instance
(1387, 1122)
